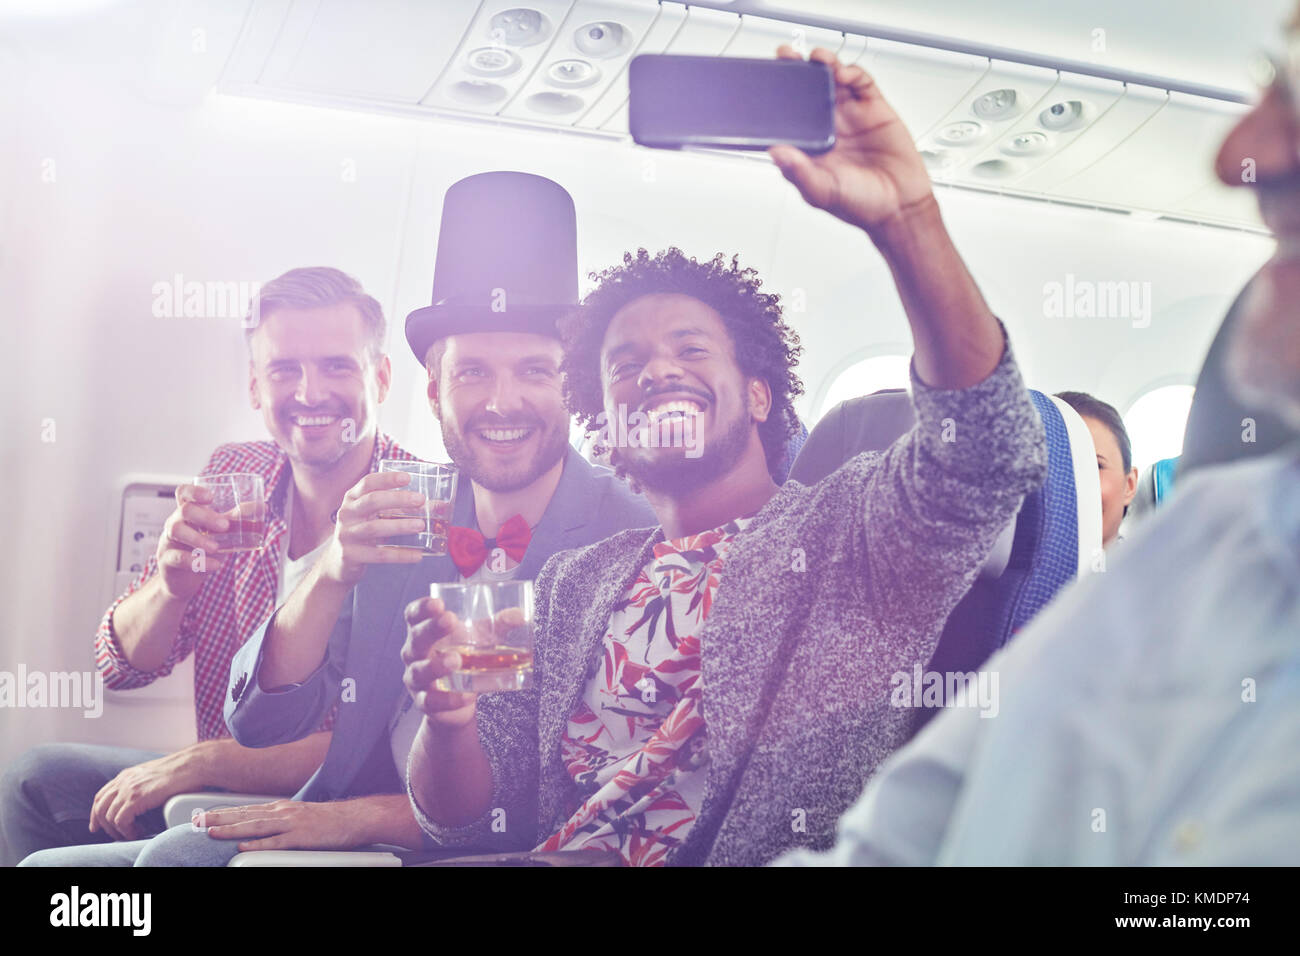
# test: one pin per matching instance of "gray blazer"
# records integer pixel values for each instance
(827, 594)
(589, 503)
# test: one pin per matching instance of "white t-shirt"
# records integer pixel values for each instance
(293, 570)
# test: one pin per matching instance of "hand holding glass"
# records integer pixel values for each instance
(438, 485)
(241, 499)
(494, 637)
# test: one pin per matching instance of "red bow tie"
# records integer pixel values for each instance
(469, 549)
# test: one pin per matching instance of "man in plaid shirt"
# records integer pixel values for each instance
(317, 374)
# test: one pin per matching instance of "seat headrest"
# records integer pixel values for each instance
(873, 423)
(1087, 485)
(1144, 501)
(1163, 473)
(1155, 484)
(792, 448)
(866, 423)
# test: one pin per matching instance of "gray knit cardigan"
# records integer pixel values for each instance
(829, 592)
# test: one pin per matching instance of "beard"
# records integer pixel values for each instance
(553, 445)
(1263, 361)
(677, 475)
(320, 455)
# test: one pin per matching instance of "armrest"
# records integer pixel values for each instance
(315, 858)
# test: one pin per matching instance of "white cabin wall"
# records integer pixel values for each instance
(225, 189)
(144, 190)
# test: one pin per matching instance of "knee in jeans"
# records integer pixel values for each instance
(183, 845)
(41, 858)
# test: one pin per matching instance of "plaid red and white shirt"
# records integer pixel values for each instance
(229, 606)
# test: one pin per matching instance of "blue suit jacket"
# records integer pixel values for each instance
(589, 504)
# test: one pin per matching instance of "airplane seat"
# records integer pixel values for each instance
(1056, 531)
(792, 449)
(866, 423)
(1163, 473)
(1038, 553)
(1154, 486)
(1144, 499)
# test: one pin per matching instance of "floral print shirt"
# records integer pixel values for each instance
(635, 745)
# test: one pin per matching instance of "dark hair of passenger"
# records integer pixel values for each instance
(1090, 407)
(765, 347)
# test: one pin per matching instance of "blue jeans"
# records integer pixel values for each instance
(180, 846)
(46, 796)
(45, 801)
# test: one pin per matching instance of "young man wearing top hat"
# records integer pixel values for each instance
(717, 690)
(506, 270)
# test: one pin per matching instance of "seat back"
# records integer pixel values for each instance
(1045, 556)
(1154, 486)
(792, 448)
(1162, 477)
(1040, 550)
(866, 423)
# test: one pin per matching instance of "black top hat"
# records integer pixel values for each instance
(507, 260)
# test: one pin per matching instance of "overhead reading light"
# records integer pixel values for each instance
(960, 134)
(938, 159)
(519, 26)
(572, 73)
(478, 92)
(995, 169)
(1069, 114)
(600, 40)
(995, 105)
(555, 103)
(492, 61)
(1026, 144)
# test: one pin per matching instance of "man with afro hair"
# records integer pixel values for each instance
(716, 690)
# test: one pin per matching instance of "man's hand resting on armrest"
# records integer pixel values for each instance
(300, 825)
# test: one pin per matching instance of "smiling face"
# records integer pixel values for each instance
(497, 397)
(315, 380)
(1117, 486)
(668, 363)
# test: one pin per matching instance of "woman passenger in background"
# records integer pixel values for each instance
(1114, 459)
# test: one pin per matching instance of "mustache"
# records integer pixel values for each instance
(683, 390)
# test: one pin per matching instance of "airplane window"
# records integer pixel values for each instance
(1155, 423)
(863, 378)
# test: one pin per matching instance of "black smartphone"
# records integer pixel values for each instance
(731, 102)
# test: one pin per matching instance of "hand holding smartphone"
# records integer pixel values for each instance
(826, 126)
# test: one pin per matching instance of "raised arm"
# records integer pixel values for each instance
(145, 633)
(875, 179)
(296, 639)
(949, 487)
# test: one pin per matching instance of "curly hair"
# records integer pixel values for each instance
(765, 347)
